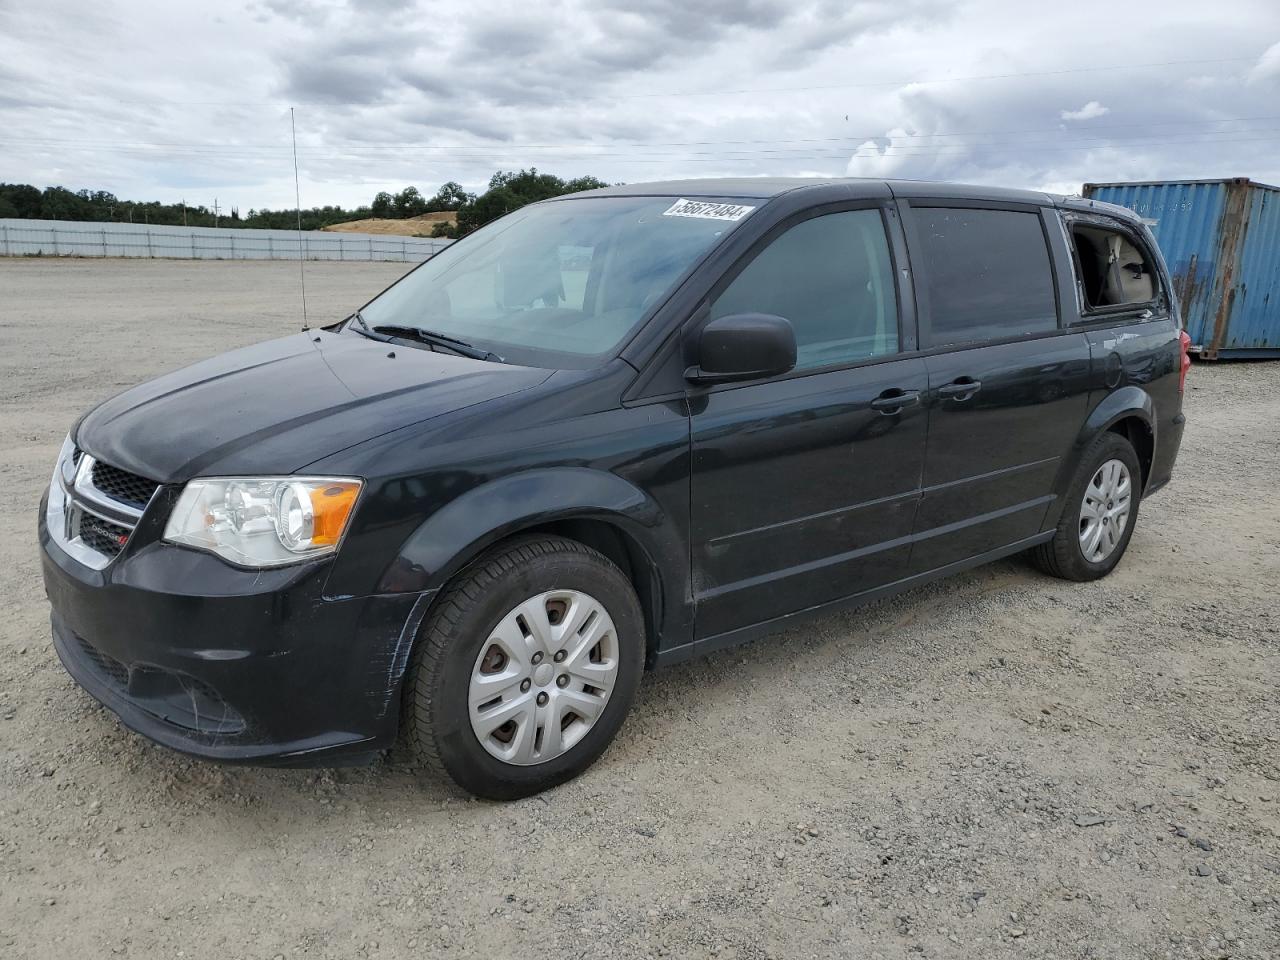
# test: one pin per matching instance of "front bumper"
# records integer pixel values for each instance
(232, 665)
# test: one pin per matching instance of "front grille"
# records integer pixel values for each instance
(102, 535)
(122, 485)
(174, 698)
(112, 669)
(199, 688)
(94, 507)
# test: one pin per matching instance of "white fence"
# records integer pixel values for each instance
(65, 238)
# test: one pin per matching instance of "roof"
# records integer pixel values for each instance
(747, 188)
(762, 188)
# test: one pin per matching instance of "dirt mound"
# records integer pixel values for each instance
(410, 227)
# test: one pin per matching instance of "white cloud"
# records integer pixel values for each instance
(393, 93)
(1090, 111)
(1268, 65)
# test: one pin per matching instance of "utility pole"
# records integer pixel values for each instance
(215, 211)
(184, 211)
(297, 200)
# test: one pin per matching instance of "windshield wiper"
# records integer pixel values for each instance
(365, 329)
(429, 337)
(441, 340)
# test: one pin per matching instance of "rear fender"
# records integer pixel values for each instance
(1128, 401)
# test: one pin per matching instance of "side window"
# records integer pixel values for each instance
(832, 278)
(986, 273)
(1113, 270)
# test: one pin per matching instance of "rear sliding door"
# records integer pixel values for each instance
(1008, 385)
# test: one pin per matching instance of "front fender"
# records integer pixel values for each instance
(454, 535)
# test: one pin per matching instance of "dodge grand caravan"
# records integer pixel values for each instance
(605, 433)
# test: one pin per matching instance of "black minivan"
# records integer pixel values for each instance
(607, 432)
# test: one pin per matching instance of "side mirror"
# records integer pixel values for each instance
(744, 346)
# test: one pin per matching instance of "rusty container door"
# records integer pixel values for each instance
(1221, 240)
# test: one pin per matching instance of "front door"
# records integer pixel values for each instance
(805, 486)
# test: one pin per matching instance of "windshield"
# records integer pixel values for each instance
(559, 283)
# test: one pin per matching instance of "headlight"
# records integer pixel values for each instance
(66, 465)
(263, 521)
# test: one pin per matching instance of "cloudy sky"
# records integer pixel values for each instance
(169, 100)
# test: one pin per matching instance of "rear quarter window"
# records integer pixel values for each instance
(1113, 268)
(986, 275)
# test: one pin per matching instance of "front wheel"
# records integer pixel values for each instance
(1100, 513)
(526, 668)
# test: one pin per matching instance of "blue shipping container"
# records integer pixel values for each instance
(1221, 240)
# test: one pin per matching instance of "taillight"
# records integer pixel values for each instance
(1185, 341)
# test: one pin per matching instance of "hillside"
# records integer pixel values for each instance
(408, 227)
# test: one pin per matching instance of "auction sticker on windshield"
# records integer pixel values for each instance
(707, 211)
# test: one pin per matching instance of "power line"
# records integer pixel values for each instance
(1098, 68)
(586, 155)
(912, 83)
(240, 149)
(592, 150)
(909, 150)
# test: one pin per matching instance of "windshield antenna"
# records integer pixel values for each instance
(297, 199)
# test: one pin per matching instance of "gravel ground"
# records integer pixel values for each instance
(998, 765)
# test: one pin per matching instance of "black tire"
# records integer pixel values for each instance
(1063, 556)
(437, 722)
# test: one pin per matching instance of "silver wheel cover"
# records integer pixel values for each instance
(542, 677)
(1104, 512)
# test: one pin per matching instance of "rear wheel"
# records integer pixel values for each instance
(1101, 511)
(526, 668)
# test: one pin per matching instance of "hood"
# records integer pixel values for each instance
(277, 406)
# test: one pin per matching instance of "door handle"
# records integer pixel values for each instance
(960, 389)
(891, 401)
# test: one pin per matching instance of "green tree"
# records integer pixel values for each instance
(24, 198)
(449, 197)
(528, 184)
(493, 203)
(410, 203)
(584, 183)
(384, 205)
(510, 190)
(59, 203)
